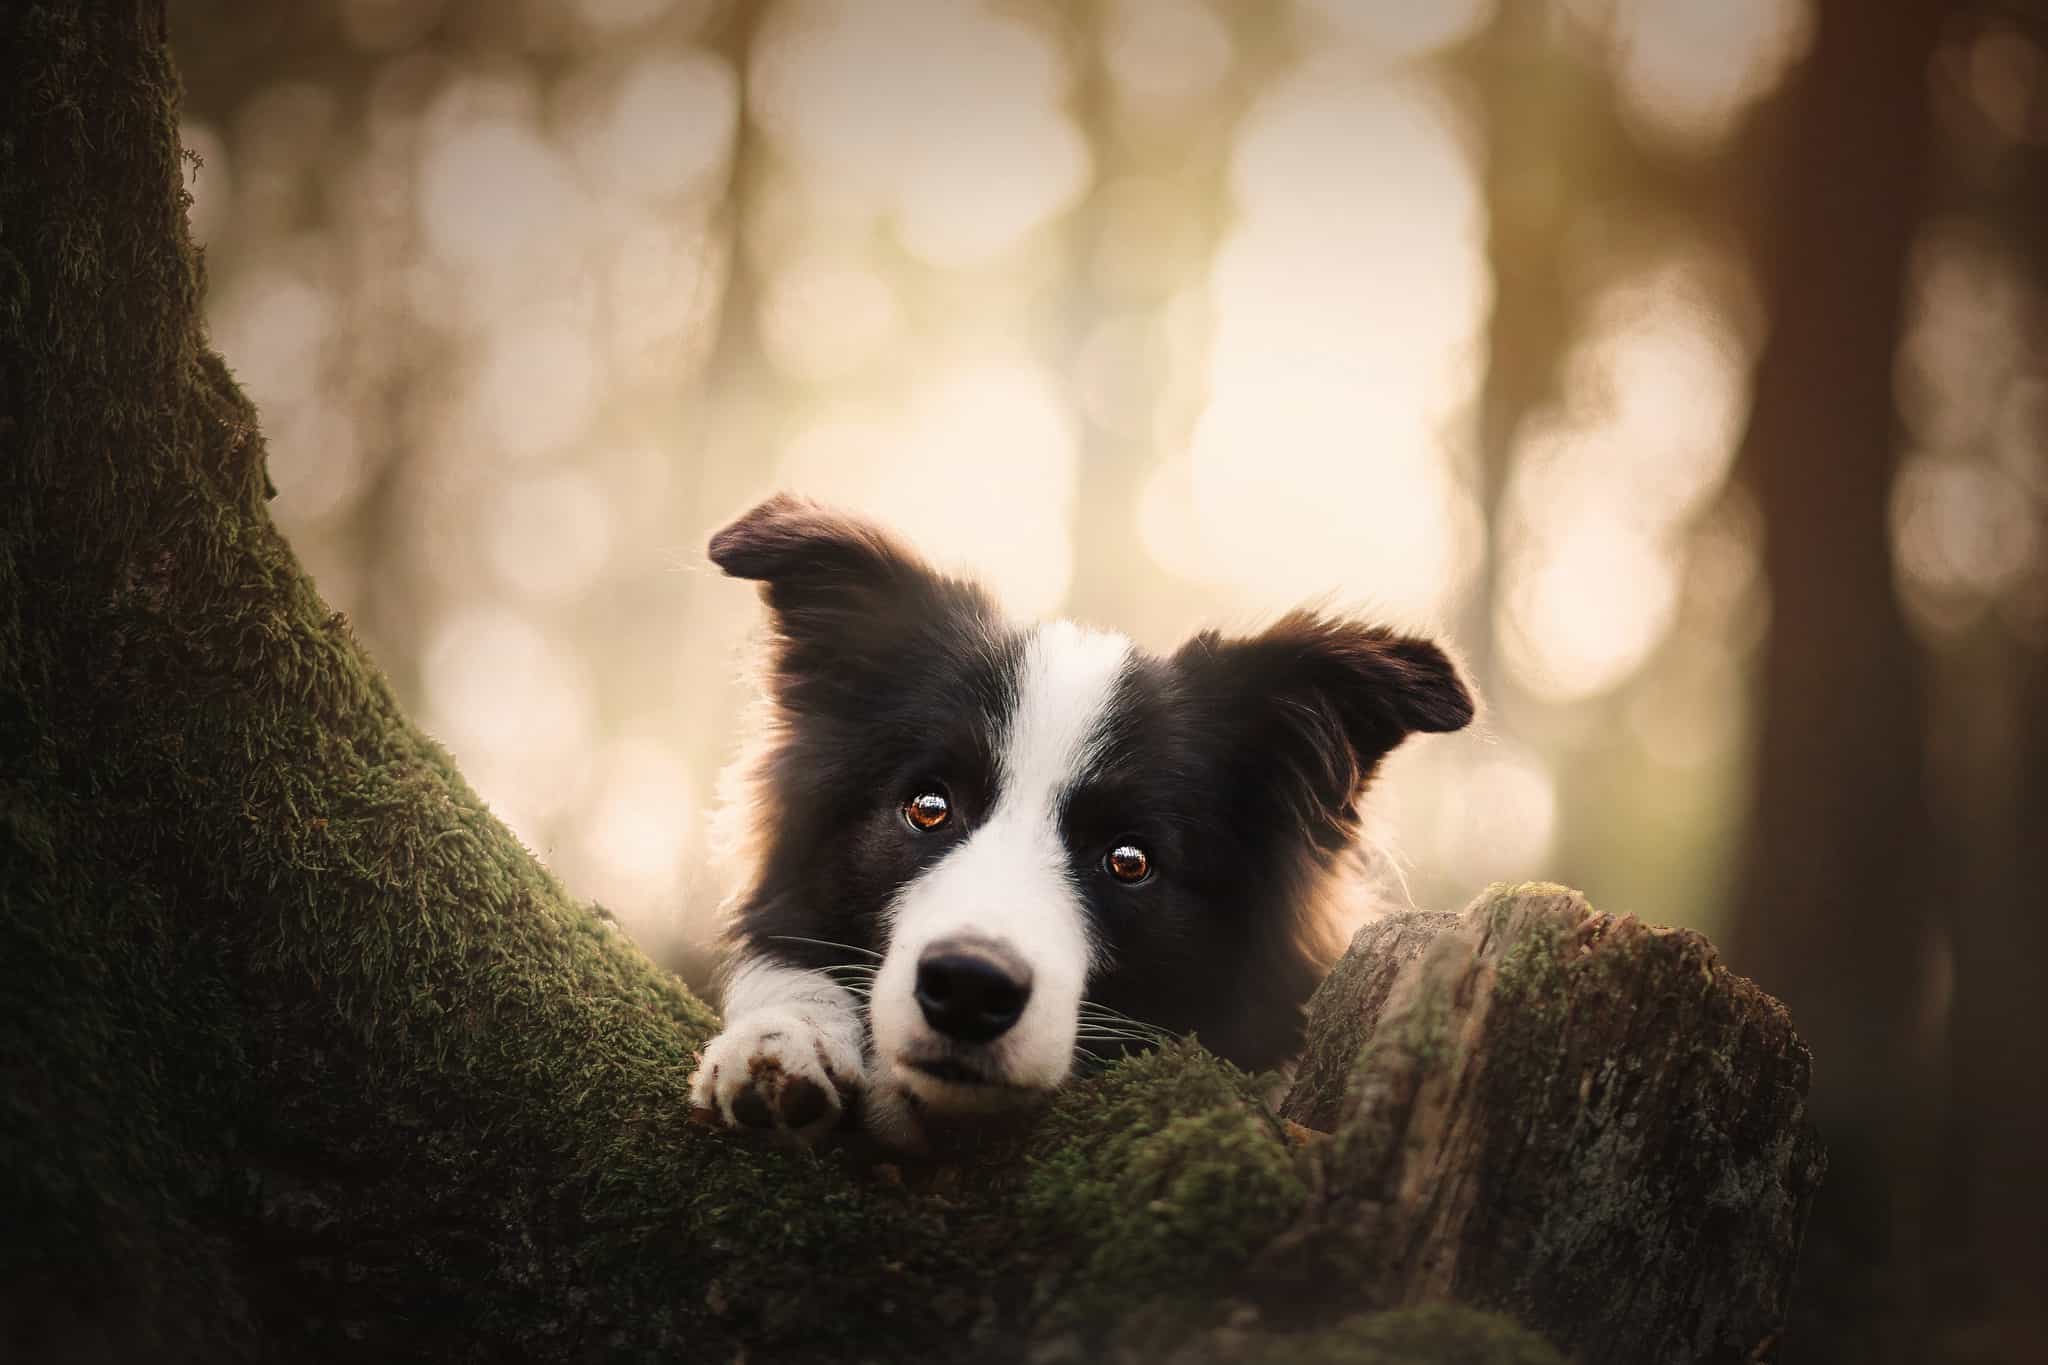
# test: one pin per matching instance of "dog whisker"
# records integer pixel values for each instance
(1103, 1011)
(1095, 1037)
(1158, 1034)
(1126, 1025)
(825, 943)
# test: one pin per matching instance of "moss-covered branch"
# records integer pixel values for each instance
(306, 1058)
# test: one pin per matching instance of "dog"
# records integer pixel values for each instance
(977, 853)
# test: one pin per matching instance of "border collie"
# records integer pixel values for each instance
(975, 852)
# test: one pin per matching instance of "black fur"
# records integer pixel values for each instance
(1236, 763)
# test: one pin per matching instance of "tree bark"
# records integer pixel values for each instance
(1579, 1119)
(305, 1057)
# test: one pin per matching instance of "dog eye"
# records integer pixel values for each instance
(1127, 863)
(927, 810)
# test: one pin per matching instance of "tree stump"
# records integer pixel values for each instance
(1581, 1120)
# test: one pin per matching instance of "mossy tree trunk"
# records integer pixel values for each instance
(306, 1058)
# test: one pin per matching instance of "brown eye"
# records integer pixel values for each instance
(927, 810)
(1127, 863)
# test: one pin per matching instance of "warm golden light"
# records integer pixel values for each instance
(1965, 513)
(515, 707)
(1165, 52)
(1963, 530)
(823, 318)
(1688, 70)
(851, 92)
(1341, 360)
(1653, 404)
(277, 321)
(492, 188)
(635, 838)
(1025, 284)
(978, 469)
(550, 535)
(1401, 31)
(536, 388)
(662, 128)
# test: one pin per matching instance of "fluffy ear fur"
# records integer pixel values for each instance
(1325, 700)
(845, 595)
(810, 557)
(1385, 686)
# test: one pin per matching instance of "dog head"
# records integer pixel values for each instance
(1034, 833)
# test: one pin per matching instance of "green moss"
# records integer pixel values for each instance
(1502, 902)
(1160, 1177)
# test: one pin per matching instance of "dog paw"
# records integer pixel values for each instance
(775, 1071)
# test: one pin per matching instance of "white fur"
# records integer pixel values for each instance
(1009, 881)
(780, 1023)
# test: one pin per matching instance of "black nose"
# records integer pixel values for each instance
(972, 993)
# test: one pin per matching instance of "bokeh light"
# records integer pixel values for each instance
(1401, 31)
(1162, 311)
(663, 127)
(515, 707)
(823, 318)
(1605, 486)
(492, 188)
(851, 92)
(278, 321)
(634, 842)
(977, 449)
(1342, 353)
(1687, 71)
(1165, 53)
(1966, 509)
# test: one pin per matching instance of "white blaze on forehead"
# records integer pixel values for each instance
(1009, 880)
(1064, 690)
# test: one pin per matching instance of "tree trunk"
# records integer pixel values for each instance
(1837, 904)
(305, 1057)
(1989, 1234)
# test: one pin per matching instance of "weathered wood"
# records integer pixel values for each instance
(1580, 1119)
(1344, 1009)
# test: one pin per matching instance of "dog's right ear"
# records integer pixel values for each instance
(822, 571)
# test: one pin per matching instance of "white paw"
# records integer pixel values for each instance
(776, 1069)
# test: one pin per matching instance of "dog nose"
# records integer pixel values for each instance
(972, 992)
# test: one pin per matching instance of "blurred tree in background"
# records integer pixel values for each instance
(1685, 359)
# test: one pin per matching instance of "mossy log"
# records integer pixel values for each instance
(305, 1057)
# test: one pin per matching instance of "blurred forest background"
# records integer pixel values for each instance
(1685, 360)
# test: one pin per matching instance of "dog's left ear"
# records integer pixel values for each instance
(1325, 698)
(1385, 685)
